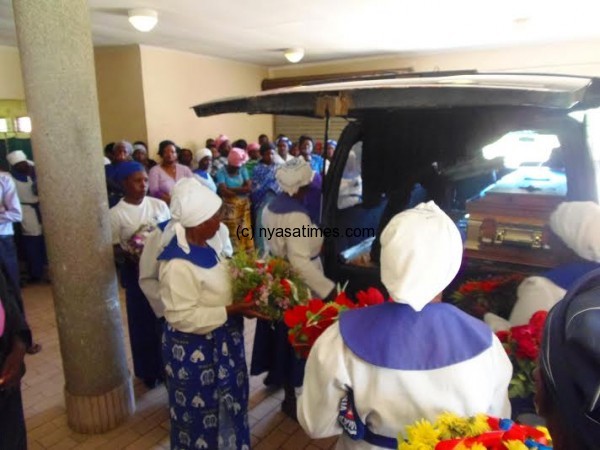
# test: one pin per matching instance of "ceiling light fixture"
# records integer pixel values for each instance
(143, 19)
(294, 55)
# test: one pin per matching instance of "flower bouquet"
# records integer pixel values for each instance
(481, 432)
(135, 244)
(522, 344)
(308, 322)
(496, 295)
(271, 284)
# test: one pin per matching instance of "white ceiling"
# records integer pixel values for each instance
(256, 31)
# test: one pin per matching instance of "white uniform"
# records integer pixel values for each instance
(126, 219)
(194, 297)
(30, 224)
(533, 294)
(387, 399)
(149, 265)
(302, 252)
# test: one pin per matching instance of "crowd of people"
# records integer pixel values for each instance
(447, 361)
(178, 288)
(377, 369)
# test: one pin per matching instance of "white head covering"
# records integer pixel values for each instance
(202, 153)
(191, 204)
(421, 252)
(578, 225)
(15, 157)
(293, 175)
(140, 147)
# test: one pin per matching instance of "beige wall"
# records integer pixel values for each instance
(120, 93)
(174, 81)
(582, 58)
(11, 81)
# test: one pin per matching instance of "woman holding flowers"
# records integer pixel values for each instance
(286, 211)
(131, 219)
(203, 346)
(381, 368)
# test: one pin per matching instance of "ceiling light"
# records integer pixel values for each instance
(143, 19)
(294, 55)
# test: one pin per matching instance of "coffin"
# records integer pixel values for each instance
(509, 221)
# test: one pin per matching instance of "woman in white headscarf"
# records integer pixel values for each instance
(203, 347)
(384, 367)
(577, 225)
(296, 238)
(203, 158)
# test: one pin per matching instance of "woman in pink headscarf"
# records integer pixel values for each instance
(233, 185)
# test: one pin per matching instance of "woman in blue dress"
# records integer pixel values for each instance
(264, 188)
(203, 346)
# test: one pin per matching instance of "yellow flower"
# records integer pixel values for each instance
(478, 425)
(546, 432)
(422, 432)
(415, 446)
(477, 446)
(451, 426)
(515, 445)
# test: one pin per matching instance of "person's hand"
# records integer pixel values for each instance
(245, 309)
(255, 314)
(12, 371)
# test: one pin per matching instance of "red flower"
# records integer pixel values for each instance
(488, 286)
(295, 316)
(315, 305)
(527, 349)
(537, 322)
(249, 298)
(343, 300)
(371, 296)
(469, 287)
(287, 289)
(503, 336)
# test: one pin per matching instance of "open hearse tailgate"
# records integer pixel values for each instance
(350, 98)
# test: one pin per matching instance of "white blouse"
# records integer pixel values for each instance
(194, 297)
(301, 252)
(126, 219)
(533, 294)
(389, 399)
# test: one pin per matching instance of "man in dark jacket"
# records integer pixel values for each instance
(15, 338)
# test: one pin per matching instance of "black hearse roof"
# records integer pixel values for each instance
(417, 91)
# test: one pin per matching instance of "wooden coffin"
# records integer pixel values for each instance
(509, 221)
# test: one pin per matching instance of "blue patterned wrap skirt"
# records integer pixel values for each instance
(207, 382)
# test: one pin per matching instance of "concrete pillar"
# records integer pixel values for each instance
(60, 87)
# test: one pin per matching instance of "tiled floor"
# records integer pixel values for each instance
(149, 427)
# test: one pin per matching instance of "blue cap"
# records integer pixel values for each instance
(127, 168)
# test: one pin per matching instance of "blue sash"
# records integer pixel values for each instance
(350, 421)
(200, 256)
(284, 204)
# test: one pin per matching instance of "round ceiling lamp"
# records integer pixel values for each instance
(294, 55)
(143, 19)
